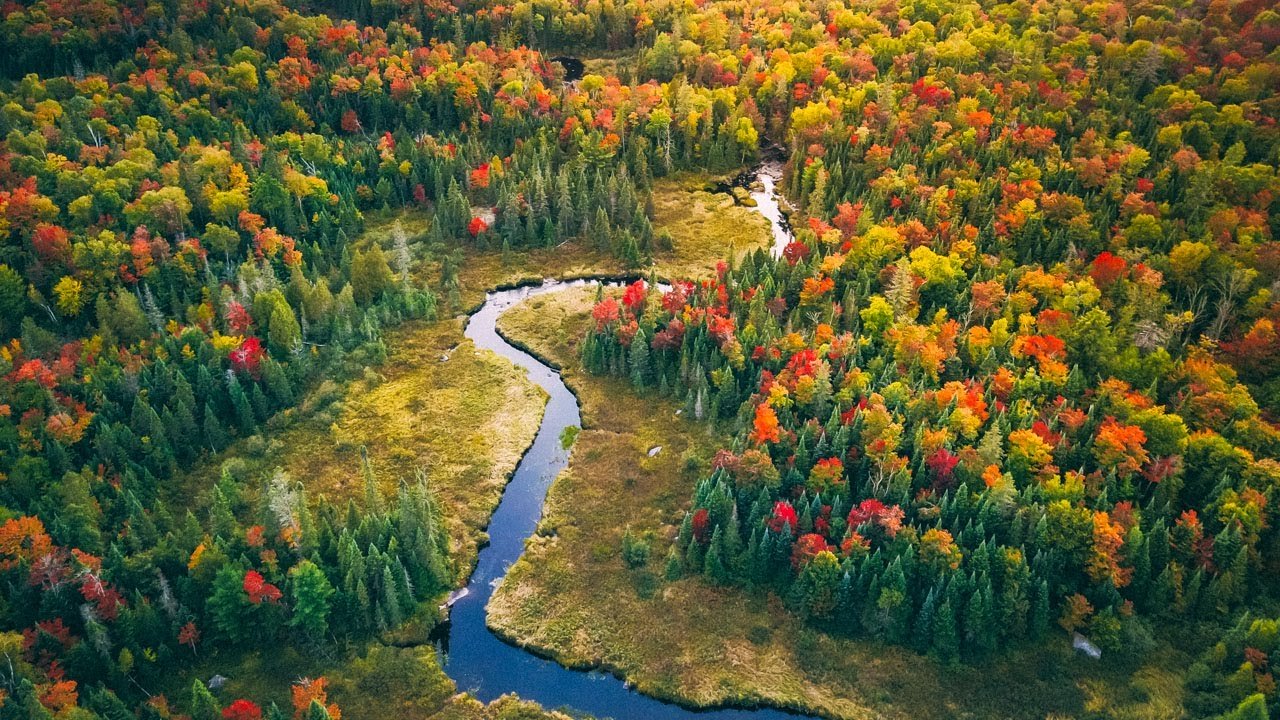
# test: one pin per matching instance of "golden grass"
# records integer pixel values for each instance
(379, 227)
(703, 225)
(466, 421)
(572, 596)
(483, 270)
(383, 682)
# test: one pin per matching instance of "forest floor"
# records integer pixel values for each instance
(572, 596)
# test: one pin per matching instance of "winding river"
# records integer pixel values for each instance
(477, 659)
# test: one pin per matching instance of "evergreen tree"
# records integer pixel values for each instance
(922, 639)
(674, 567)
(946, 641)
(315, 712)
(283, 332)
(203, 705)
(229, 607)
(818, 586)
(311, 600)
(716, 565)
(1040, 617)
(639, 361)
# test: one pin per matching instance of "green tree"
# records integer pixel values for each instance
(639, 360)
(311, 600)
(229, 606)
(1253, 707)
(818, 585)
(13, 300)
(204, 706)
(946, 641)
(674, 567)
(716, 565)
(370, 275)
(283, 331)
(316, 712)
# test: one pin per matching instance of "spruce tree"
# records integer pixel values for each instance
(204, 706)
(946, 641)
(674, 568)
(1040, 617)
(639, 361)
(311, 592)
(922, 638)
(716, 566)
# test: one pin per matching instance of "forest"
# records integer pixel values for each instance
(1013, 380)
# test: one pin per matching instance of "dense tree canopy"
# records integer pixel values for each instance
(1018, 371)
(1013, 368)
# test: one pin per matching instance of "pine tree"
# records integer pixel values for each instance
(946, 642)
(818, 585)
(203, 705)
(980, 630)
(372, 494)
(316, 712)
(229, 606)
(245, 419)
(390, 599)
(222, 520)
(639, 361)
(674, 568)
(716, 565)
(922, 639)
(107, 705)
(1040, 617)
(311, 600)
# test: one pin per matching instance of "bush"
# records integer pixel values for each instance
(635, 550)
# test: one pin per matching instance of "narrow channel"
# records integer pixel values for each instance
(475, 658)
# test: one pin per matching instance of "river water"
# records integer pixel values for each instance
(476, 658)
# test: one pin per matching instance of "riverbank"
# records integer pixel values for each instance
(572, 597)
(377, 682)
(467, 419)
(436, 403)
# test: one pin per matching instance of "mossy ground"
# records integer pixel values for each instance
(571, 595)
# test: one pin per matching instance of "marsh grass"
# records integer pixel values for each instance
(703, 224)
(466, 420)
(376, 683)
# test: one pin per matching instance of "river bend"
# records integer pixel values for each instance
(475, 658)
